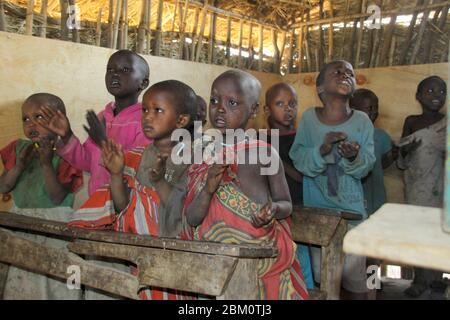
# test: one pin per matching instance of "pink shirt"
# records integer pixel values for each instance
(125, 129)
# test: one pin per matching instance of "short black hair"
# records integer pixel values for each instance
(363, 93)
(142, 63)
(270, 93)
(49, 99)
(184, 96)
(252, 85)
(422, 83)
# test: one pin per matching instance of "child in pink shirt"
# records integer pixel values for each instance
(127, 74)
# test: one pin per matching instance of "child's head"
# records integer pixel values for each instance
(366, 101)
(166, 106)
(234, 100)
(281, 105)
(31, 113)
(201, 110)
(127, 74)
(336, 78)
(431, 93)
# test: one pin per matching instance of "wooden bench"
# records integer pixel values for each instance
(324, 228)
(219, 270)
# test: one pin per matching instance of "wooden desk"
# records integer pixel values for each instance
(404, 234)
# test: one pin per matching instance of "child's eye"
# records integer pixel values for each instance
(232, 103)
(39, 116)
(158, 110)
(144, 110)
(125, 69)
(430, 90)
(279, 104)
(25, 119)
(214, 101)
(110, 70)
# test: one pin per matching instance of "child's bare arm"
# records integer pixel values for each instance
(9, 178)
(279, 193)
(55, 190)
(198, 209)
(292, 172)
(113, 159)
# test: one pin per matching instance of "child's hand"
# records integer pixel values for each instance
(330, 139)
(55, 121)
(265, 215)
(215, 174)
(348, 150)
(45, 151)
(157, 173)
(26, 157)
(112, 156)
(96, 129)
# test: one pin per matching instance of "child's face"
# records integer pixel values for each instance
(201, 112)
(159, 115)
(433, 95)
(123, 76)
(339, 79)
(282, 108)
(367, 106)
(32, 130)
(228, 107)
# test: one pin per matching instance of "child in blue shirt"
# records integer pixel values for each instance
(334, 150)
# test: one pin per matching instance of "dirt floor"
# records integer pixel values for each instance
(392, 289)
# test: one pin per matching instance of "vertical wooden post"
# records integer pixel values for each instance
(142, 26)
(116, 23)
(182, 28)
(73, 11)
(98, 29)
(124, 27)
(261, 48)
(174, 15)
(149, 27)
(321, 41)
(283, 47)
(43, 28)
(29, 18)
(392, 51)
(353, 39)
(228, 52)
(300, 50)
(63, 5)
(317, 59)
(290, 52)
(110, 24)
(202, 30)
(307, 51)
(344, 33)
(194, 34)
(241, 30)
(250, 47)
(360, 36)
(409, 34)
(158, 35)
(331, 35)
(276, 50)
(2, 16)
(384, 59)
(430, 39)
(212, 35)
(423, 26)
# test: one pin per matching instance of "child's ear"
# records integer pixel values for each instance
(144, 83)
(183, 120)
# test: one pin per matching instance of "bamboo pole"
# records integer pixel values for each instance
(116, 23)
(212, 34)
(158, 34)
(174, 15)
(149, 27)
(241, 30)
(142, 26)
(384, 59)
(321, 41)
(110, 24)
(331, 35)
(283, 47)
(43, 27)
(360, 36)
(430, 39)
(276, 56)
(182, 29)
(423, 25)
(316, 56)
(202, 30)
(261, 48)
(124, 28)
(194, 34)
(300, 50)
(250, 47)
(3, 24)
(98, 29)
(29, 18)
(290, 52)
(228, 50)
(392, 51)
(354, 36)
(409, 34)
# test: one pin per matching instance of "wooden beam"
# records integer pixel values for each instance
(2, 16)
(428, 45)
(423, 26)
(202, 30)
(43, 27)
(331, 35)
(261, 48)
(228, 48)
(344, 33)
(384, 59)
(116, 23)
(241, 35)
(142, 26)
(321, 41)
(212, 37)
(110, 24)
(183, 28)
(300, 50)
(392, 51)
(158, 36)
(360, 36)
(276, 56)
(149, 27)
(250, 47)
(124, 26)
(98, 29)
(75, 30)
(409, 34)
(194, 34)
(174, 15)
(29, 19)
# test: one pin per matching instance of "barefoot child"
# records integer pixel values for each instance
(234, 203)
(146, 187)
(422, 157)
(385, 152)
(32, 168)
(334, 150)
(126, 76)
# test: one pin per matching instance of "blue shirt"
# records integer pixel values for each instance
(333, 182)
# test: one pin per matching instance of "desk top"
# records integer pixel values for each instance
(404, 234)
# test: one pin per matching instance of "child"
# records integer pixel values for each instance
(31, 167)
(334, 150)
(201, 111)
(234, 203)
(422, 157)
(146, 187)
(281, 109)
(385, 153)
(126, 76)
